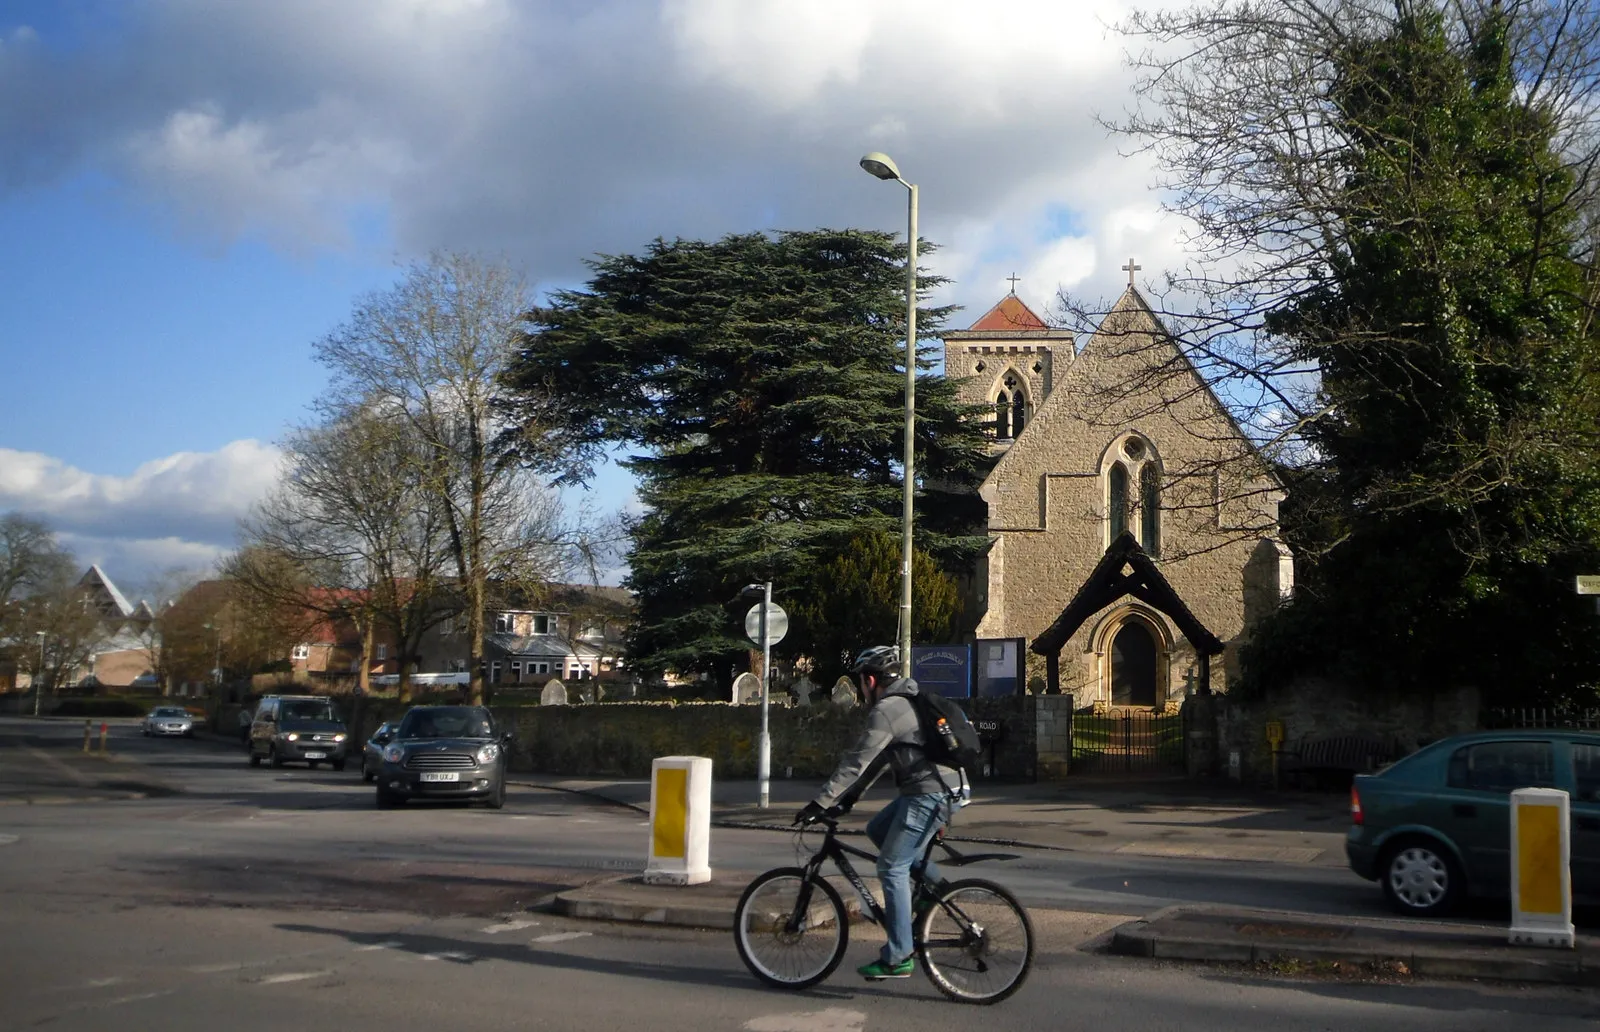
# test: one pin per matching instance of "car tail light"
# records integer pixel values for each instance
(1355, 806)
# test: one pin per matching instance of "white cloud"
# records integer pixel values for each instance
(187, 500)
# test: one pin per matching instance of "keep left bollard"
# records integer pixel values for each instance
(88, 733)
(680, 821)
(102, 738)
(1541, 876)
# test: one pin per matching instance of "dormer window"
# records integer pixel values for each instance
(504, 623)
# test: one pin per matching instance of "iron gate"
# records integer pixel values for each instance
(1128, 742)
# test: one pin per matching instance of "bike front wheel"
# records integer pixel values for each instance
(976, 942)
(791, 931)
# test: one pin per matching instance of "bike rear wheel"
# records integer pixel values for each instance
(976, 942)
(761, 928)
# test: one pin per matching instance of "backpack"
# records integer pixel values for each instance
(957, 745)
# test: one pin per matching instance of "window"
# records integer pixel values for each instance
(383, 653)
(541, 623)
(1019, 413)
(1002, 417)
(301, 652)
(1586, 772)
(540, 668)
(1503, 766)
(503, 622)
(515, 666)
(494, 673)
(1150, 509)
(1118, 503)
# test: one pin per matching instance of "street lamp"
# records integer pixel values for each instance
(883, 167)
(216, 666)
(763, 591)
(38, 688)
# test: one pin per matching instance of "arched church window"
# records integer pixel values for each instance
(1002, 417)
(1019, 413)
(1119, 500)
(1150, 509)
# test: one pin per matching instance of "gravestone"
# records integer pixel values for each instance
(801, 691)
(844, 693)
(746, 689)
(554, 694)
(587, 692)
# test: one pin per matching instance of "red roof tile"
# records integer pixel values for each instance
(1010, 314)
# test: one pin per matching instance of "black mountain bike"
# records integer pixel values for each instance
(974, 939)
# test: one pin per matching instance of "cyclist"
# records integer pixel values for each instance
(901, 830)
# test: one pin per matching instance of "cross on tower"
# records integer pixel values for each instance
(1130, 269)
(1012, 279)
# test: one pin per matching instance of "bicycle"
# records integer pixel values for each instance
(974, 939)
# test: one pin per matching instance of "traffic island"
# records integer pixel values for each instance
(1307, 944)
(707, 905)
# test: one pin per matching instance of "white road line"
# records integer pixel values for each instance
(560, 937)
(293, 976)
(509, 926)
(389, 945)
(6, 840)
(455, 955)
(101, 983)
(136, 997)
(833, 1019)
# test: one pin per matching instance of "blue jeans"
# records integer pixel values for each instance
(901, 831)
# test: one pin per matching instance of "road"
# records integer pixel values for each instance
(282, 898)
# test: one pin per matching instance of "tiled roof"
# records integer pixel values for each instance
(117, 598)
(542, 645)
(1010, 314)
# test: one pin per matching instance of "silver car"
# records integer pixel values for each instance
(168, 720)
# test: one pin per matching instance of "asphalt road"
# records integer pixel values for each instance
(283, 899)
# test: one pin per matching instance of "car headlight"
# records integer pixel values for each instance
(488, 753)
(339, 738)
(393, 754)
(292, 737)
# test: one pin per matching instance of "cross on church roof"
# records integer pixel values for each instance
(1130, 269)
(1012, 279)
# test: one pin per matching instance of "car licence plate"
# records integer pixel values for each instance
(442, 776)
(315, 755)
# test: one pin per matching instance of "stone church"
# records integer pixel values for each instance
(1134, 528)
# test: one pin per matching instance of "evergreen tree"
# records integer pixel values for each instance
(757, 375)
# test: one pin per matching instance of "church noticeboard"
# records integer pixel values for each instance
(998, 666)
(946, 669)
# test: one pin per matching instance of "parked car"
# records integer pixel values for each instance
(445, 752)
(1435, 828)
(298, 728)
(372, 752)
(167, 720)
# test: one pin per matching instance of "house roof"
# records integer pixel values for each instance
(1125, 569)
(1009, 314)
(95, 576)
(544, 646)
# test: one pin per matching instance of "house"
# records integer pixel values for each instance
(569, 631)
(1133, 527)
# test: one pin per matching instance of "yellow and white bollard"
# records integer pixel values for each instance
(680, 821)
(1541, 878)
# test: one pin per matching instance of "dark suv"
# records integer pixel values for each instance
(297, 728)
(445, 752)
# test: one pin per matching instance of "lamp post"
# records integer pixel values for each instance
(216, 664)
(38, 687)
(883, 167)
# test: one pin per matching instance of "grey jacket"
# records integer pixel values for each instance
(893, 736)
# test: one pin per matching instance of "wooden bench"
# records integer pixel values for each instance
(1332, 760)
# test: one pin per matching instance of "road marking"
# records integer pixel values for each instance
(6, 840)
(388, 945)
(292, 976)
(560, 937)
(136, 997)
(834, 1019)
(456, 955)
(509, 926)
(101, 983)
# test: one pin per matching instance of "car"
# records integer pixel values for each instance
(297, 728)
(1435, 828)
(372, 752)
(445, 752)
(167, 720)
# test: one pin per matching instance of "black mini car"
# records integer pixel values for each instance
(445, 752)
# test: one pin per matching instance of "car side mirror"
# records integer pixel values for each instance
(508, 739)
(382, 739)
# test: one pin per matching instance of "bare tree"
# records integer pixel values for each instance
(431, 350)
(31, 562)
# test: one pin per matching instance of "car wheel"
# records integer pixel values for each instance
(337, 765)
(255, 761)
(367, 775)
(313, 764)
(1420, 879)
(497, 798)
(387, 800)
(274, 758)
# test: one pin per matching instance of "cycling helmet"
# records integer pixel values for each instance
(879, 659)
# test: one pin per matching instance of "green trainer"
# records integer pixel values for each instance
(877, 971)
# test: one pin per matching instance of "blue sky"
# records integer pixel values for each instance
(191, 193)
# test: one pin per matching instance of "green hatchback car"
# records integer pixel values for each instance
(1435, 827)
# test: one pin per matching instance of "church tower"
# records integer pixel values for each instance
(1007, 360)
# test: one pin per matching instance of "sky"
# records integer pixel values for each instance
(192, 193)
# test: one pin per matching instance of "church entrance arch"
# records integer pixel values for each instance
(1133, 665)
